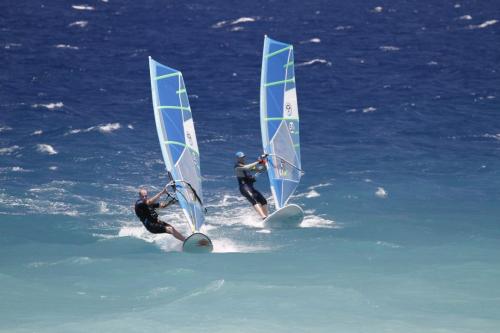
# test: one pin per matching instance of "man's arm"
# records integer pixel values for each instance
(248, 167)
(156, 197)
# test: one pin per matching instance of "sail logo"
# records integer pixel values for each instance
(190, 138)
(288, 108)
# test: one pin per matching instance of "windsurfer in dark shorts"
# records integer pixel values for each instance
(246, 179)
(145, 209)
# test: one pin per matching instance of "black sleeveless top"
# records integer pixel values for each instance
(247, 179)
(146, 212)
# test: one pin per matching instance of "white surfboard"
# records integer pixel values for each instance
(197, 243)
(289, 216)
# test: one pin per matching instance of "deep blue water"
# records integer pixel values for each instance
(400, 139)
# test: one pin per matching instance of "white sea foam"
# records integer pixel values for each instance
(237, 28)
(5, 128)
(381, 193)
(53, 168)
(343, 27)
(483, 25)
(314, 61)
(107, 128)
(387, 244)
(432, 63)
(130, 126)
(243, 20)
(465, 17)
(46, 149)
(240, 20)
(492, 136)
(319, 185)
(50, 106)
(37, 132)
(226, 245)
(312, 194)
(9, 150)
(83, 7)
(378, 9)
(369, 109)
(315, 40)
(80, 24)
(18, 169)
(313, 221)
(388, 48)
(66, 46)
(11, 45)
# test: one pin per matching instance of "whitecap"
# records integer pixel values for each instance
(381, 193)
(5, 128)
(314, 221)
(314, 61)
(50, 106)
(388, 48)
(369, 109)
(9, 150)
(11, 45)
(483, 25)
(243, 20)
(80, 24)
(219, 24)
(18, 169)
(465, 17)
(312, 194)
(46, 149)
(53, 168)
(377, 9)
(82, 7)
(130, 126)
(108, 128)
(343, 27)
(319, 185)
(226, 245)
(432, 63)
(66, 46)
(492, 136)
(37, 132)
(315, 40)
(240, 20)
(387, 244)
(237, 28)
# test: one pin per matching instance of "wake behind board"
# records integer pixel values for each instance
(289, 216)
(197, 243)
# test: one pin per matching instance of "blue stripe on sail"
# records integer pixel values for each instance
(280, 131)
(180, 158)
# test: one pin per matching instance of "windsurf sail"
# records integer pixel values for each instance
(279, 119)
(174, 124)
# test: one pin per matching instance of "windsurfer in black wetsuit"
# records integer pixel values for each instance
(145, 209)
(246, 179)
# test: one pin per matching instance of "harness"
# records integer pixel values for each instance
(248, 178)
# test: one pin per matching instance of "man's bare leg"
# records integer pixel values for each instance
(264, 208)
(260, 210)
(171, 230)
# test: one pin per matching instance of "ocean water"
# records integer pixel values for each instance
(400, 123)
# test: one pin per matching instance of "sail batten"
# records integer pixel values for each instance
(177, 137)
(280, 119)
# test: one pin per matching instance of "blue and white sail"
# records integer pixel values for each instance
(174, 124)
(279, 119)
